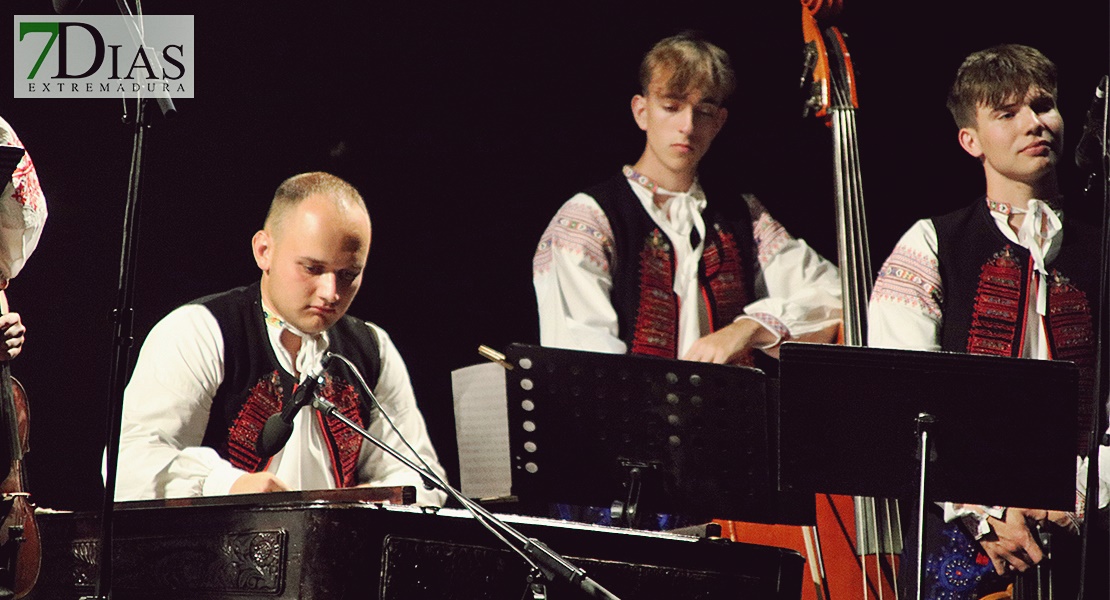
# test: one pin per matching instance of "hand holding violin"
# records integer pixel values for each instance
(11, 335)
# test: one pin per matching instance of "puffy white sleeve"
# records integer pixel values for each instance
(22, 210)
(395, 395)
(799, 290)
(572, 275)
(165, 412)
(905, 307)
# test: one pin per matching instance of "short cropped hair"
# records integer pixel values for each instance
(688, 62)
(298, 187)
(997, 75)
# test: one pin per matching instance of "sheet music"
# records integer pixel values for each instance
(482, 429)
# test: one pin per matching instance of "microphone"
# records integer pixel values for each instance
(1089, 151)
(278, 428)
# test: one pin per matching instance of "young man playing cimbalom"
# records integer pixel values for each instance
(212, 372)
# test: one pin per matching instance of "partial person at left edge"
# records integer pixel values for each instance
(22, 217)
(213, 371)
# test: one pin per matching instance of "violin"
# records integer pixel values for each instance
(20, 547)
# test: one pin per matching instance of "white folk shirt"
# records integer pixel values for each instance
(22, 210)
(167, 403)
(798, 291)
(905, 308)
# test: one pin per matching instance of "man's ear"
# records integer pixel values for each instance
(969, 141)
(263, 246)
(639, 111)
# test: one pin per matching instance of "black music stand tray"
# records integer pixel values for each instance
(854, 421)
(658, 435)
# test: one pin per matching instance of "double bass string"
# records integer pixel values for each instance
(854, 255)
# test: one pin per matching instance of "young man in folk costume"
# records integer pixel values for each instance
(1007, 276)
(22, 217)
(645, 263)
(649, 263)
(213, 371)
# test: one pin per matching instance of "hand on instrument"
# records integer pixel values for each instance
(730, 344)
(254, 483)
(11, 332)
(1012, 543)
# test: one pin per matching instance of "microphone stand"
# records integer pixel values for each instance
(1097, 437)
(546, 564)
(122, 318)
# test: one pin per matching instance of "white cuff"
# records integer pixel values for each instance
(770, 323)
(220, 480)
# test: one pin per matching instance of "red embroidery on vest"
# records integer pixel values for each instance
(347, 442)
(997, 309)
(999, 314)
(263, 401)
(724, 272)
(1072, 338)
(657, 316)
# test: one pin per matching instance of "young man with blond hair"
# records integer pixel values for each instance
(645, 263)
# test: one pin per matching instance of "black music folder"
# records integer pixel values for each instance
(699, 436)
(1004, 433)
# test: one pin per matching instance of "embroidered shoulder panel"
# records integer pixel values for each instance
(26, 189)
(769, 235)
(579, 229)
(912, 278)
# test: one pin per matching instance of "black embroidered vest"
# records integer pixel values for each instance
(985, 278)
(255, 386)
(643, 277)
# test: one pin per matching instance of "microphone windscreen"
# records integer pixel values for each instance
(274, 435)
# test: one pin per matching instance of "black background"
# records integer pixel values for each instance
(465, 126)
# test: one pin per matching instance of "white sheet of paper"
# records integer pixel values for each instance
(482, 429)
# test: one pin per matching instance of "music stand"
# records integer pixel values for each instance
(668, 436)
(850, 420)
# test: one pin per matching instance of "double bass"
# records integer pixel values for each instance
(853, 548)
